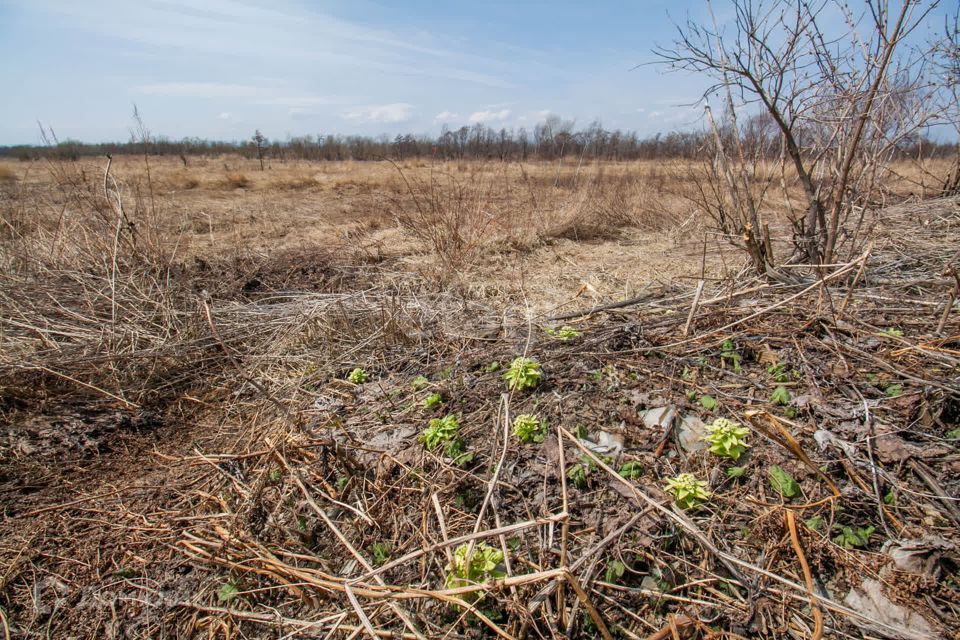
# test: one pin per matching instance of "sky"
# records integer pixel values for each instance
(220, 69)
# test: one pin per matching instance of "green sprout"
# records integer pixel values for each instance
(892, 332)
(228, 591)
(577, 474)
(894, 390)
(440, 431)
(529, 428)
(728, 353)
(564, 333)
(631, 470)
(524, 373)
(783, 483)
(457, 451)
(708, 402)
(357, 376)
(687, 490)
(850, 538)
(726, 438)
(432, 400)
(485, 563)
(780, 396)
(420, 383)
(381, 552)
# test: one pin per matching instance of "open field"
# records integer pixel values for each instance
(186, 449)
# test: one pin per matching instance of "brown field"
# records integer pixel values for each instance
(184, 455)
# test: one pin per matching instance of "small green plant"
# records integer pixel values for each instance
(577, 474)
(357, 376)
(729, 353)
(708, 402)
(493, 366)
(631, 470)
(953, 434)
(850, 538)
(228, 591)
(615, 571)
(687, 490)
(726, 438)
(276, 475)
(894, 390)
(456, 450)
(780, 396)
(440, 431)
(736, 472)
(814, 523)
(783, 483)
(381, 552)
(564, 333)
(524, 373)
(529, 428)
(779, 372)
(581, 432)
(432, 400)
(485, 563)
(892, 332)
(420, 383)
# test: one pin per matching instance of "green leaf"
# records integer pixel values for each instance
(783, 483)
(814, 523)
(420, 383)
(736, 472)
(780, 396)
(615, 570)
(953, 434)
(433, 400)
(708, 402)
(228, 592)
(894, 390)
(632, 469)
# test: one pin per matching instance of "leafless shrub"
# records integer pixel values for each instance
(842, 102)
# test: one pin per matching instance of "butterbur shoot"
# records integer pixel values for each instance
(781, 396)
(524, 373)
(726, 438)
(433, 400)
(420, 383)
(564, 333)
(529, 428)
(485, 563)
(440, 431)
(631, 469)
(688, 492)
(357, 376)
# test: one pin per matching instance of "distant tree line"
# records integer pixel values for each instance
(551, 139)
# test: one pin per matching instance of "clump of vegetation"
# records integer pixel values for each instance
(783, 483)
(726, 438)
(631, 469)
(381, 552)
(780, 396)
(420, 383)
(708, 402)
(729, 354)
(456, 450)
(850, 538)
(564, 333)
(524, 373)
(358, 376)
(528, 428)
(579, 473)
(485, 563)
(432, 400)
(687, 491)
(440, 431)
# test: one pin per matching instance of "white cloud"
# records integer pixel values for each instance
(489, 116)
(224, 115)
(385, 113)
(654, 114)
(446, 117)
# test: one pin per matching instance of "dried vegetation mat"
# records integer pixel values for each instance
(751, 460)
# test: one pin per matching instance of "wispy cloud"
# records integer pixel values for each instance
(446, 117)
(383, 113)
(489, 116)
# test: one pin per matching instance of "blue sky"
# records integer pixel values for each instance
(219, 69)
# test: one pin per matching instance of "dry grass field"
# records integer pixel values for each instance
(215, 383)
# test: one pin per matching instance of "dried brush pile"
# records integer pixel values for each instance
(364, 473)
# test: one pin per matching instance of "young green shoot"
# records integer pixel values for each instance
(564, 333)
(485, 563)
(524, 373)
(440, 431)
(687, 491)
(432, 400)
(357, 376)
(528, 428)
(726, 438)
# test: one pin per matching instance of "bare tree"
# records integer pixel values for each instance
(261, 142)
(843, 90)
